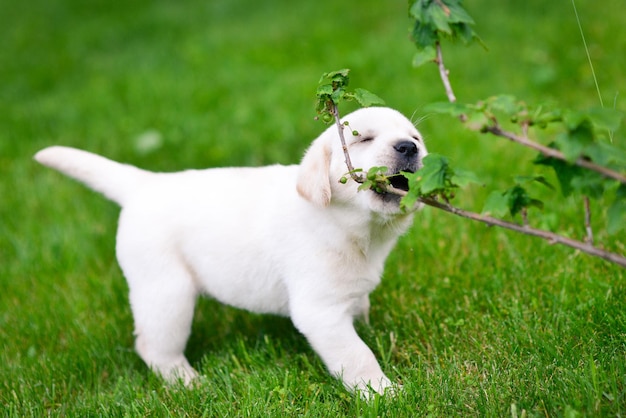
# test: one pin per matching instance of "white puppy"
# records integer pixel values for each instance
(286, 240)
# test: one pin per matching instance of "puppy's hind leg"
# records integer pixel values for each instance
(163, 297)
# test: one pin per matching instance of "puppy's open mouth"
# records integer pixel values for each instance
(398, 181)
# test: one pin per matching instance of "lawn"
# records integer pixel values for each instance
(474, 321)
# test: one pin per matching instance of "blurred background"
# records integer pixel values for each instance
(168, 85)
(171, 84)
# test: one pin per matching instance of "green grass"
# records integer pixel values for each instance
(474, 321)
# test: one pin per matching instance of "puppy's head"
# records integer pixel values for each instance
(385, 139)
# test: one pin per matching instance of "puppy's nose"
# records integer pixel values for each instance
(406, 148)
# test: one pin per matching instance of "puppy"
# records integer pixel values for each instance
(286, 240)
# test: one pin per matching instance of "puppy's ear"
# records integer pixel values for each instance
(313, 177)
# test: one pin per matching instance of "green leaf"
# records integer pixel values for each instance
(339, 76)
(574, 142)
(477, 121)
(424, 35)
(606, 154)
(458, 14)
(453, 109)
(589, 183)
(504, 103)
(437, 178)
(374, 172)
(338, 95)
(620, 193)
(512, 201)
(564, 171)
(575, 179)
(616, 213)
(497, 204)
(608, 119)
(535, 203)
(425, 55)
(439, 13)
(324, 89)
(366, 185)
(415, 10)
(616, 217)
(521, 180)
(463, 177)
(366, 98)
(409, 201)
(519, 199)
(330, 91)
(437, 18)
(573, 118)
(433, 175)
(464, 31)
(542, 119)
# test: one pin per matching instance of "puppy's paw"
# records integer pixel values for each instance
(178, 374)
(367, 394)
(384, 387)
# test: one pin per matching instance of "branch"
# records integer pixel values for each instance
(335, 112)
(498, 131)
(551, 152)
(551, 237)
(588, 229)
(443, 72)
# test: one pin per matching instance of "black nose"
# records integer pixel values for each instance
(406, 148)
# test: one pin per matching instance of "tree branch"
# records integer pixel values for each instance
(551, 237)
(498, 131)
(443, 72)
(344, 146)
(588, 229)
(551, 152)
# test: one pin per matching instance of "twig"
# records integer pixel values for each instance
(335, 111)
(551, 152)
(498, 131)
(524, 213)
(589, 237)
(551, 237)
(443, 72)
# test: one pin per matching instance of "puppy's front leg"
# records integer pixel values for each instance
(331, 333)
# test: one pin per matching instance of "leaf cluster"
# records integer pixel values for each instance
(515, 199)
(437, 19)
(332, 90)
(581, 135)
(375, 179)
(490, 111)
(436, 180)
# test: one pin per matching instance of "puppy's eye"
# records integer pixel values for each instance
(417, 138)
(366, 139)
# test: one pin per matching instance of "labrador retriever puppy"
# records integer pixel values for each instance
(286, 240)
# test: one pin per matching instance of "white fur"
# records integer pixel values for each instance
(286, 240)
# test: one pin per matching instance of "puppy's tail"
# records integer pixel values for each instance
(114, 180)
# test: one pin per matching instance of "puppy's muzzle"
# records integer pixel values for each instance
(407, 160)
